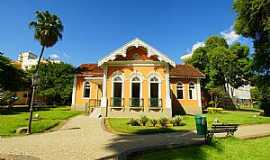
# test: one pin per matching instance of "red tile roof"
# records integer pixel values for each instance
(185, 71)
(180, 71)
(90, 70)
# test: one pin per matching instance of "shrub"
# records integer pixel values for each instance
(144, 120)
(154, 122)
(177, 121)
(133, 122)
(163, 121)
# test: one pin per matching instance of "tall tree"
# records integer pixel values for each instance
(222, 64)
(56, 81)
(48, 30)
(253, 21)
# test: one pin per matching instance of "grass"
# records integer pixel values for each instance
(18, 117)
(229, 149)
(241, 117)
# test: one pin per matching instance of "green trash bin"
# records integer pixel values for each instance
(201, 124)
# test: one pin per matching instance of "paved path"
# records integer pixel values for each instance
(84, 138)
(252, 131)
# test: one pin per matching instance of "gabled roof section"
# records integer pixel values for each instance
(136, 42)
(91, 70)
(185, 71)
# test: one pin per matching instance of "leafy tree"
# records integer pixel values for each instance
(48, 30)
(253, 21)
(11, 77)
(222, 64)
(55, 82)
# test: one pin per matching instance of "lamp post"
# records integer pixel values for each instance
(34, 86)
(35, 80)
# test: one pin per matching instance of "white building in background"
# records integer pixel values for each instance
(28, 59)
(241, 93)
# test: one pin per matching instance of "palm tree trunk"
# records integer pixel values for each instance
(34, 84)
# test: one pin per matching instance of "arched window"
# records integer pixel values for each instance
(180, 90)
(136, 92)
(154, 80)
(117, 91)
(192, 91)
(117, 79)
(86, 90)
(155, 100)
(136, 79)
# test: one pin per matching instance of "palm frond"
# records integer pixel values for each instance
(48, 28)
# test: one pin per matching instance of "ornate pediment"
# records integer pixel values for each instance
(150, 53)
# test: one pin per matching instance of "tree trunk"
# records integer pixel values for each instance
(34, 84)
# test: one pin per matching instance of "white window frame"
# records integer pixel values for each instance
(140, 82)
(194, 97)
(177, 88)
(84, 90)
(122, 81)
(159, 86)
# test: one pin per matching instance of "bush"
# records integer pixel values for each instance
(163, 121)
(144, 120)
(154, 122)
(177, 121)
(133, 122)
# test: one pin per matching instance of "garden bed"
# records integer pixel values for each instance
(120, 125)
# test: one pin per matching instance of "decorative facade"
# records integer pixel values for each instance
(135, 80)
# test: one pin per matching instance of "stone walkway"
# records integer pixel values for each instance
(253, 131)
(84, 138)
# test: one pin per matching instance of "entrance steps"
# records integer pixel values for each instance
(96, 113)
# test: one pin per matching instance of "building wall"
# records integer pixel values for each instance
(95, 92)
(145, 71)
(179, 106)
(185, 105)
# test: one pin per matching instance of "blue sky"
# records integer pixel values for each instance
(93, 28)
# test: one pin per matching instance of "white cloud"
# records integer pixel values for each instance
(230, 35)
(197, 45)
(54, 56)
(194, 47)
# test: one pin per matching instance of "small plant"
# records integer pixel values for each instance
(133, 122)
(177, 121)
(144, 120)
(163, 121)
(154, 122)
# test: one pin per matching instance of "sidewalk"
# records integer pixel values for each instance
(84, 138)
(253, 131)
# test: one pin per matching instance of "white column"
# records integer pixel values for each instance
(104, 87)
(74, 91)
(199, 93)
(168, 95)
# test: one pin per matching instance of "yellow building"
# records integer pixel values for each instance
(136, 80)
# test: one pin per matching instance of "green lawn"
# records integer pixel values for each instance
(222, 149)
(240, 117)
(18, 117)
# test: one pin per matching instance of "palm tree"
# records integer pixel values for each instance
(48, 30)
